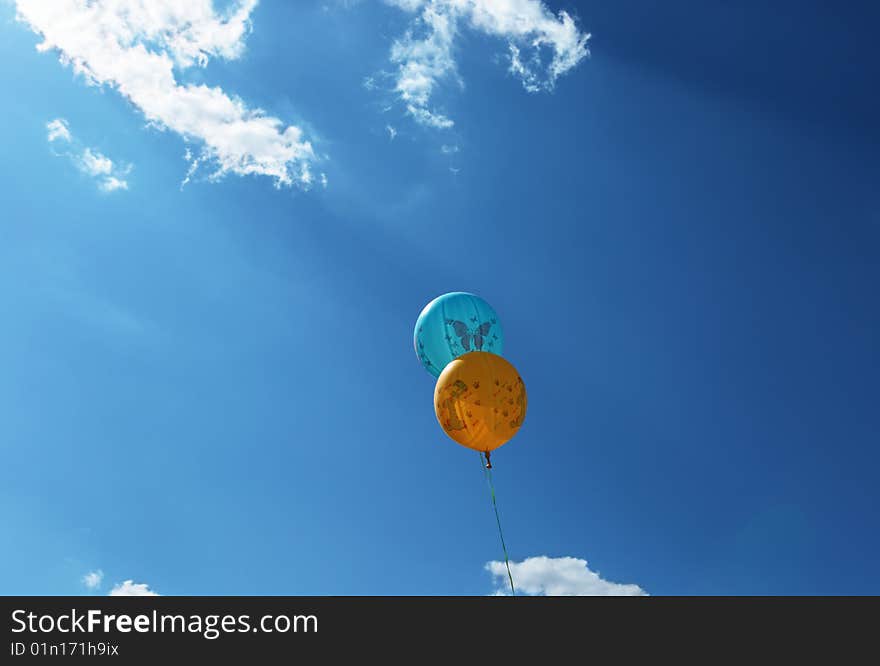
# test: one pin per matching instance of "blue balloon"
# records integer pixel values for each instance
(455, 324)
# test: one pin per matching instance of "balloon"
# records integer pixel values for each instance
(452, 325)
(480, 400)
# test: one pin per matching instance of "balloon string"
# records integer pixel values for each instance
(488, 472)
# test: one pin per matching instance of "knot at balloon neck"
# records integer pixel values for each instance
(488, 462)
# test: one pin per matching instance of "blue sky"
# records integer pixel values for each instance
(209, 277)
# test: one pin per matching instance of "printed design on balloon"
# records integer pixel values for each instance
(520, 404)
(451, 420)
(466, 335)
(508, 402)
(423, 357)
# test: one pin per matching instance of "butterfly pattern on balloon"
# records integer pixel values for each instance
(477, 335)
(423, 357)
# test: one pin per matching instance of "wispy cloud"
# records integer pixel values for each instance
(129, 588)
(542, 46)
(58, 130)
(107, 174)
(391, 132)
(92, 579)
(137, 46)
(557, 576)
(424, 58)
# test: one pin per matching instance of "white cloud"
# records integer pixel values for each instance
(58, 130)
(108, 175)
(129, 588)
(92, 580)
(557, 576)
(95, 164)
(448, 150)
(138, 46)
(542, 46)
(429, 118)
(424, 58)
(111, 184)
(391, 132)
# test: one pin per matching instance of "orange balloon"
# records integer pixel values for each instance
(480, 400)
